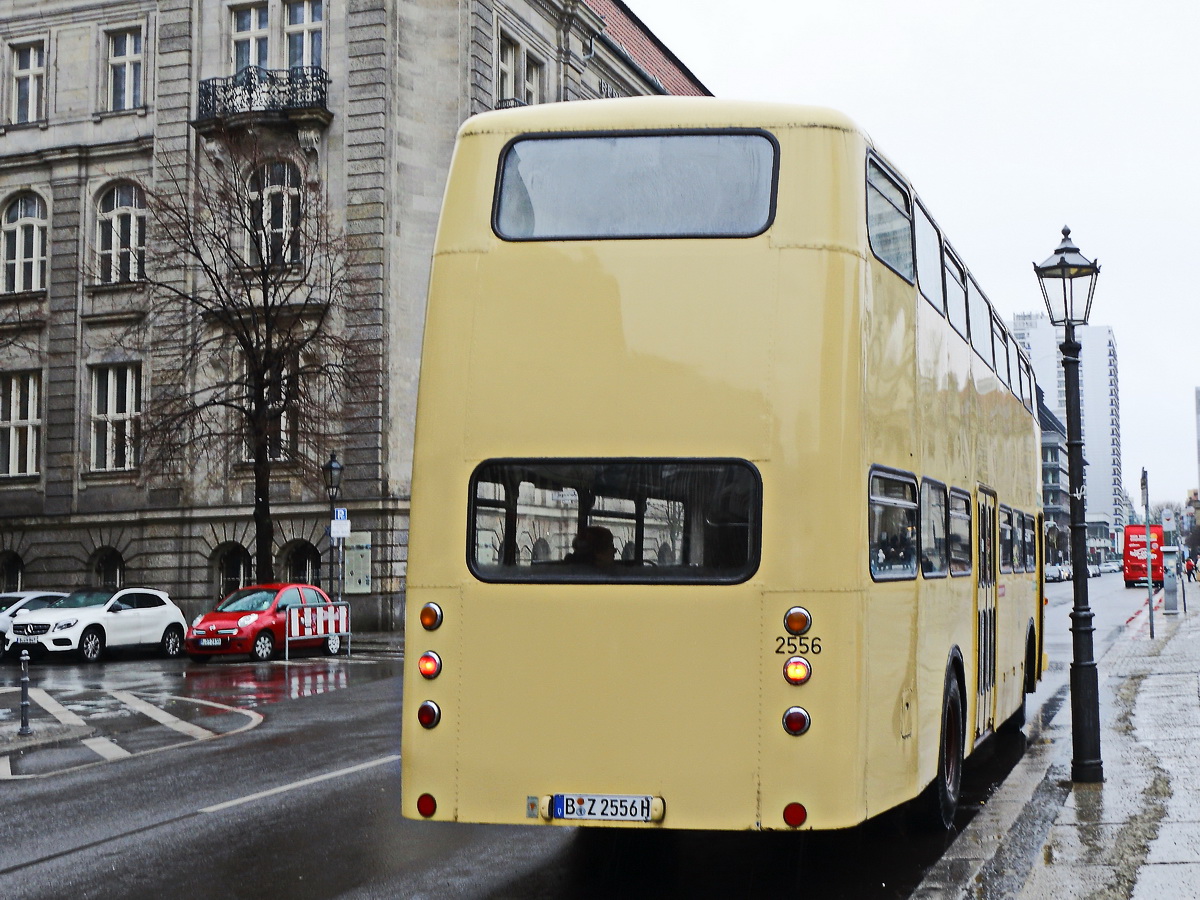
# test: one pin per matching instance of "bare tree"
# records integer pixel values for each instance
(249, 280)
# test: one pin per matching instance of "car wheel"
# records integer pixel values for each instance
(333, 644)
(172, 642)
(91, 645)
(264, 647)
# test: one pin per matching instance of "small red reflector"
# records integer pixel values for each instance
(795, 815)
(796, 720)
(430, 664)
(797, 620)
(428, 714)
(797, 670)
(431, 616)
(426, 805)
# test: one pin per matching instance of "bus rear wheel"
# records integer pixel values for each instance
(939, 802)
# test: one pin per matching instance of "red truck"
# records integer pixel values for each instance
(1135, 555)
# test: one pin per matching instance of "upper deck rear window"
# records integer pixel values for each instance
(713, 184)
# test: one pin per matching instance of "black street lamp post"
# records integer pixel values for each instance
(1058, 276)
(331, 474)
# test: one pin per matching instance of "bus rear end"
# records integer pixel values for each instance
(595, 633)
(1134, 558)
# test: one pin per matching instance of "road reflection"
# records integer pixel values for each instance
(254, 685)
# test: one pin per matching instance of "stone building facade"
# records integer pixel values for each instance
(94, 96)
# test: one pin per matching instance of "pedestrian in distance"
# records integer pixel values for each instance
(1190, 568)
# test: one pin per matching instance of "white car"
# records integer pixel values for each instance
(1112, 565)
(90, 620)
(14, 603)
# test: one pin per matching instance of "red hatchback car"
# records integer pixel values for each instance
(254, 620)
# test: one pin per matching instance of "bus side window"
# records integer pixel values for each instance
(1030, 544)
(1007, 534)
(960, 533)
(889, 220)
(981, 323)
(929, 261)
(893, 525)
(956, 293)
(934, 557)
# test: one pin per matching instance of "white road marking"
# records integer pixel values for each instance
(110, 751)
(299, 784)
(162, 716)
(106, 748)
(56, 709)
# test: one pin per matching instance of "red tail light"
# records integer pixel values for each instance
(426, 805)
(796, 720)
(430, 664)
(795, 815)
(429, 714)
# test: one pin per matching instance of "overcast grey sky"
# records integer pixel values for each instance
(1011, 120)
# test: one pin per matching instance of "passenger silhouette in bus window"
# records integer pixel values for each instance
(593, 546)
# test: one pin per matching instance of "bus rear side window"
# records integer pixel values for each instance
(893, 524)
(594, 520)
(587, 187)
(889, 220)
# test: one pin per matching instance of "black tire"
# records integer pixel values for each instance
(91, 645)
(939, 802)
(1031, 661)
(263, 648)
(200, 658)
(332, 645)
(172, 642)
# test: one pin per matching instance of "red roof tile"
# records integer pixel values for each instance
(629, 33)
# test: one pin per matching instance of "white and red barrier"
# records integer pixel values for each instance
(325, 620)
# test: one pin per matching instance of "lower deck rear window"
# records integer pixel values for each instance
(614, 520)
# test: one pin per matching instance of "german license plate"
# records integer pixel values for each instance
(210, 642)
(607, 807)
(26, 639)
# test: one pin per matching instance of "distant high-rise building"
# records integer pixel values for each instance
(1100, 415)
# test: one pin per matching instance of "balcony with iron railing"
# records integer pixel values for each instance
(297, 95)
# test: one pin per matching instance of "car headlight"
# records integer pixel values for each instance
(248, 619)
(196, 621)
(65, 624)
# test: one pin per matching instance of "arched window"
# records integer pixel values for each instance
(275, 214)
(302, 562)
(24, 230)
(121, 234)
(12, 571)
(231, 568)
(108, 568)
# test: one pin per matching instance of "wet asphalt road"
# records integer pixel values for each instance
(305, 802)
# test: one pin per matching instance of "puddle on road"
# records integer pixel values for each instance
(252, 685)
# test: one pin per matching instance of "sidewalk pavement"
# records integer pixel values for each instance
(1136, 836)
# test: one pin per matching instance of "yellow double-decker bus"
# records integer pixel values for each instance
(726, 496)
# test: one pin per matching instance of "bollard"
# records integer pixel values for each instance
(25, 729)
